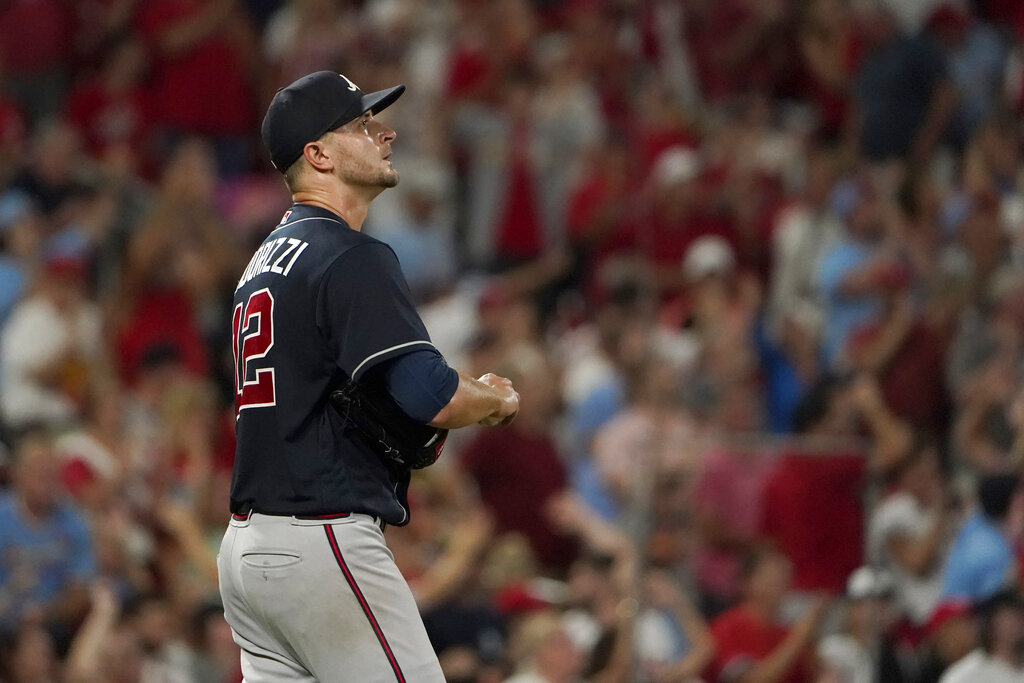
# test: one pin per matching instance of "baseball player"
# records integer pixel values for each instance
(309, 586)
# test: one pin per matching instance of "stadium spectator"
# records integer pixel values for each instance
(21, 232)
(865, 649)
(830, 45)
(684, 661)
(976, 57)
(524, 458)
(982, 560)
(175, 268)
(750, 640)
(905, 97)
(604, 590)
(202, 52)
(951, 635)
(55, 170)
(998, 659)
(909, 534)
(547, 653)
(858, 270)
(727, 507)
(111, 111)
(48, 349)
(46, 556)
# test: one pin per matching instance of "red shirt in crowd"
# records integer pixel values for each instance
(35, 35)
(913, 383)
(520, 233)
(12, 124)
(471, 73)
(204, 89)
(596, 216)
(164, 317)
(508, 462)
(107, 118)
(812, 511)
(666, 241)
(741, 639)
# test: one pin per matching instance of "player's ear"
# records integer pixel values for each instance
(316, 155)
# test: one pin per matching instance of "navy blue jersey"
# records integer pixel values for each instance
(318, 303)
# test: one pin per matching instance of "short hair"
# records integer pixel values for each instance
(995, 493)
(293, 172)
(814, 405)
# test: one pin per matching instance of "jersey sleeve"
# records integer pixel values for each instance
(365, 309)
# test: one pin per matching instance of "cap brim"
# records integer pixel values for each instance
(377, 102)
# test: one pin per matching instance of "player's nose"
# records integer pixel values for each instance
(387, 134)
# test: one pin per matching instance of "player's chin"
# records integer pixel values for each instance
(389, 178)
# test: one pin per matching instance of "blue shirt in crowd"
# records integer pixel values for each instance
(39, 558)
(980, 562)
(844, 314)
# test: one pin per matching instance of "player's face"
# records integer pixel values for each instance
(364, 151)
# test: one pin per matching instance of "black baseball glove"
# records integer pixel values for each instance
(380, 425)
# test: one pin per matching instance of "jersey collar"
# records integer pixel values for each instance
(302, 211)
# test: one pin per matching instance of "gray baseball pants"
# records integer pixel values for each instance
(320, 600)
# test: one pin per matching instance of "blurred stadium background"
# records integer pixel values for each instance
(756, 267)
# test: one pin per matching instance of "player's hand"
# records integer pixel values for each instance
(509, 400)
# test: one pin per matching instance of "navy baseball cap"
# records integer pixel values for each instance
(311, 106)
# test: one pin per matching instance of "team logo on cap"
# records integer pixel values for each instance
(351, 86)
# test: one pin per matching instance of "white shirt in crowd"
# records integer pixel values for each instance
(845, 656)
(980, 666)
(37, 335)
(901, 515)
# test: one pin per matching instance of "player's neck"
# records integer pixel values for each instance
(351, 206)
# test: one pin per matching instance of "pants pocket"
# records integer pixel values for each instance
(270, 558)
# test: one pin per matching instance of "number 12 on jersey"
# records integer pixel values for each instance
(252, 337)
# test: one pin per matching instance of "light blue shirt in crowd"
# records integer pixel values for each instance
(844, 314)
(44, 557)
(979, 563)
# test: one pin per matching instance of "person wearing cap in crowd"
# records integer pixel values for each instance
(1001, 633)
(864, 651)
(310, 589)
(909, 532)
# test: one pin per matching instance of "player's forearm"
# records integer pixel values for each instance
(472, 402)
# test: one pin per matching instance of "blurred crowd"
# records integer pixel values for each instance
(755, 266)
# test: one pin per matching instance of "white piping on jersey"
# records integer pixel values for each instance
(387, 350)
(405, 513)
(308, 218)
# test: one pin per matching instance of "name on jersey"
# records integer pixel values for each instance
(275, 256)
